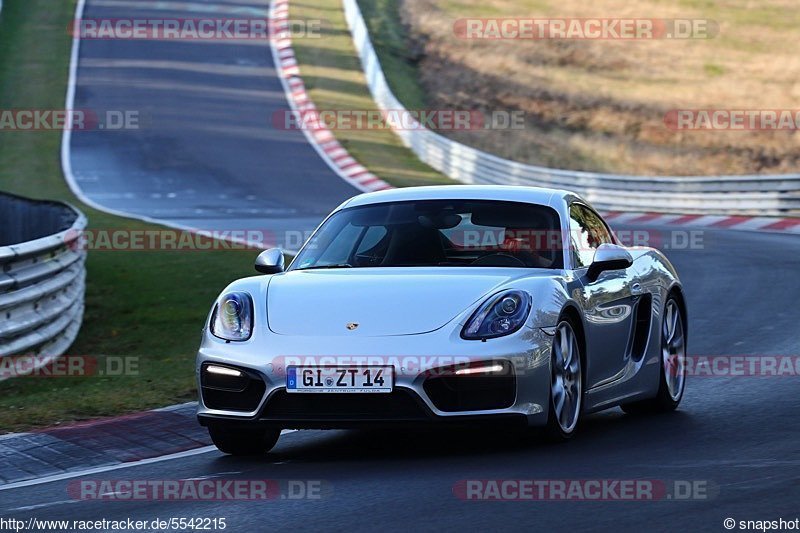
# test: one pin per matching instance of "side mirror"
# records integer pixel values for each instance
(609, 257)
(270, 261)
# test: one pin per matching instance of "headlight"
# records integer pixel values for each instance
(233, 317)
(500, 315)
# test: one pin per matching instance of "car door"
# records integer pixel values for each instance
(607, 301)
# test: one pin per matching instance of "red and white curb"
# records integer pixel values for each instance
(731, 222)
(319, 136)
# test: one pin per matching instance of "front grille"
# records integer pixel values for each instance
(478, 392)
(399, 404)
(239, 394)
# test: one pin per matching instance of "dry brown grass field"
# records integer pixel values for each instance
(599, 105)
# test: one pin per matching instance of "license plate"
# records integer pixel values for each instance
(332, 379)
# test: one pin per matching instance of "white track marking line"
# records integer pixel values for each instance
(66, 152)
(120, 466)
(41, 506)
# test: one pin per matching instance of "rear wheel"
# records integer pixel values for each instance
(243, 442)
(673, 364)
(566, 383)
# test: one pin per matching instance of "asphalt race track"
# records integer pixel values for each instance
(738, 434)
(205, 153)
(209, 158)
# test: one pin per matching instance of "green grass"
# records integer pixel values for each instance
(150, 305)
(398, 59)
(713, 70)
(334, 80)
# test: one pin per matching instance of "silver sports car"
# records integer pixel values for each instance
(435, 305)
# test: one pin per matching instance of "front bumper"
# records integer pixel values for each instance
(417, 360)
(402, 407)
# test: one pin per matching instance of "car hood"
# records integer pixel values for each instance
(382, 301)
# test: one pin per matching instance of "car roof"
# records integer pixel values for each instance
(511, 193)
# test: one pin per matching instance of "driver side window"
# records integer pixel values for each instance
(338, 251)
(587, 232)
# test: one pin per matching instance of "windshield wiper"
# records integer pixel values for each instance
(335, 265)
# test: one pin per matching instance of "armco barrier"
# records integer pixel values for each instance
(42, 276)
(763, 195)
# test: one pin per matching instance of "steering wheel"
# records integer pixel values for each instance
(499, 260)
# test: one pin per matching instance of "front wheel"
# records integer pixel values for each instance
(672, 380)
(243, 442)
(566, 384)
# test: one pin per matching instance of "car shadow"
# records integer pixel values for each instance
(611, 431)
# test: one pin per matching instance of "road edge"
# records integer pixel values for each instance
(319, 137)
(73, 449)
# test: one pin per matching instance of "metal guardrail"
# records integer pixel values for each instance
(42, 276)
(762, 195)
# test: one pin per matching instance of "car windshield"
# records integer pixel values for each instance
(437, 233)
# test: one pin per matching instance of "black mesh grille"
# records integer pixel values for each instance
(232, 394)
(397, 405)
(476, 392)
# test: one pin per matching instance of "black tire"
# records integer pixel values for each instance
(554, 431)
(664, 400)
(243, 442)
